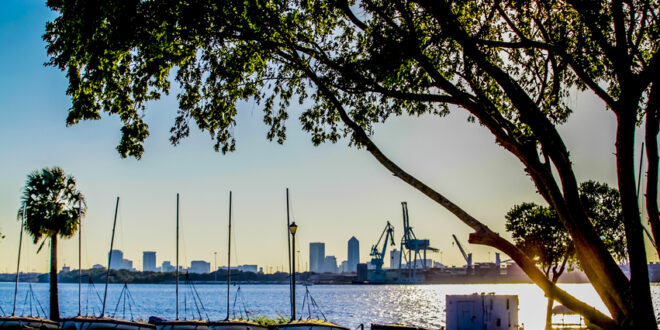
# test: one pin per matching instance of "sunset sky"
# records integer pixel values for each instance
(336, 191)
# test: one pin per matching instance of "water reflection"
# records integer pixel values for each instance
(349, 305)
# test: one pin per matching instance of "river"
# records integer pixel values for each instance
(347, 305)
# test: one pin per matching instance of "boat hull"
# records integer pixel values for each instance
(180, 325)
(394, 327)
(235, 325)
(27, 322)
(309, 325)
(93, 323)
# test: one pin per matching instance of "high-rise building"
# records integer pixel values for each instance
(200, 267)
(127, 264)
(116, 258)
(148, 261)
(316, 257)
(343, 267)
(330, 264)
(167, 267)
(395, 257)
(353, 254)
(117, 261)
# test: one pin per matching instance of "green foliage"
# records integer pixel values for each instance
(352, 64)
(266, 321)
(51, 201)
(126, 276)
(538, 231)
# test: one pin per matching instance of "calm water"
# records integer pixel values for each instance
(348, 305)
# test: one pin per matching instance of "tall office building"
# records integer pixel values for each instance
(330, 264)
(353, 254)
(116, 258)
(148, 261)
(316, 257)
(118, 262)
(167, 267)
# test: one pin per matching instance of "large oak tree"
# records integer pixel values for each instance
(510, 64)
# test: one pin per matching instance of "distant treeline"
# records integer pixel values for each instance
(126, 276)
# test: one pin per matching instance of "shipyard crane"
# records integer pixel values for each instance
(467, 256)
(378, 275)
(413, 245)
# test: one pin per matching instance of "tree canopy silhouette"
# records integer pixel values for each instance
(509, 64)
(538, 232)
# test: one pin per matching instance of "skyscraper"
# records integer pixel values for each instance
(353, 254)
(148, 261)
(116, 258)
(330, 264)
(316, 257)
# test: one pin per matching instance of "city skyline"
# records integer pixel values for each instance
(336, 191)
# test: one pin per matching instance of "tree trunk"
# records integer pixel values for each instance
(643, 315)
(652, 157)
(548, 313)
(54, 304)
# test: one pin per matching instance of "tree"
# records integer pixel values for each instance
(509, 64)
(51, 201)
(538, 232)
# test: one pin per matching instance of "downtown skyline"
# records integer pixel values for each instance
(336, 191)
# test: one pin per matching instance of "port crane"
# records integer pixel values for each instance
(413, 245)
(379, 275)
(467, 256)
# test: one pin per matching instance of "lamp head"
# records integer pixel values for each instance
(293, 228)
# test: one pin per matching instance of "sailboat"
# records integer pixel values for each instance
(92, 322)
(24, 322)
(176, 324)
(300, 324)
(227, 323)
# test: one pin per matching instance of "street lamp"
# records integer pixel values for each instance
(215, 265)
(292, 229)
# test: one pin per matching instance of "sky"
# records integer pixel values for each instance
(336, 191)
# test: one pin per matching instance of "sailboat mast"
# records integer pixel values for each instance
(107, 274)
(639, 177)
(177, 256)
(18, 263)
(288, 250)
(79, 255)
(229, 256)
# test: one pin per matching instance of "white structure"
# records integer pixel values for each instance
(395, 257)
(482, 311)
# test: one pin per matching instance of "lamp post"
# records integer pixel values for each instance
(215, 266)
(292, 229)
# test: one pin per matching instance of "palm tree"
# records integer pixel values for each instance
(51, 202)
